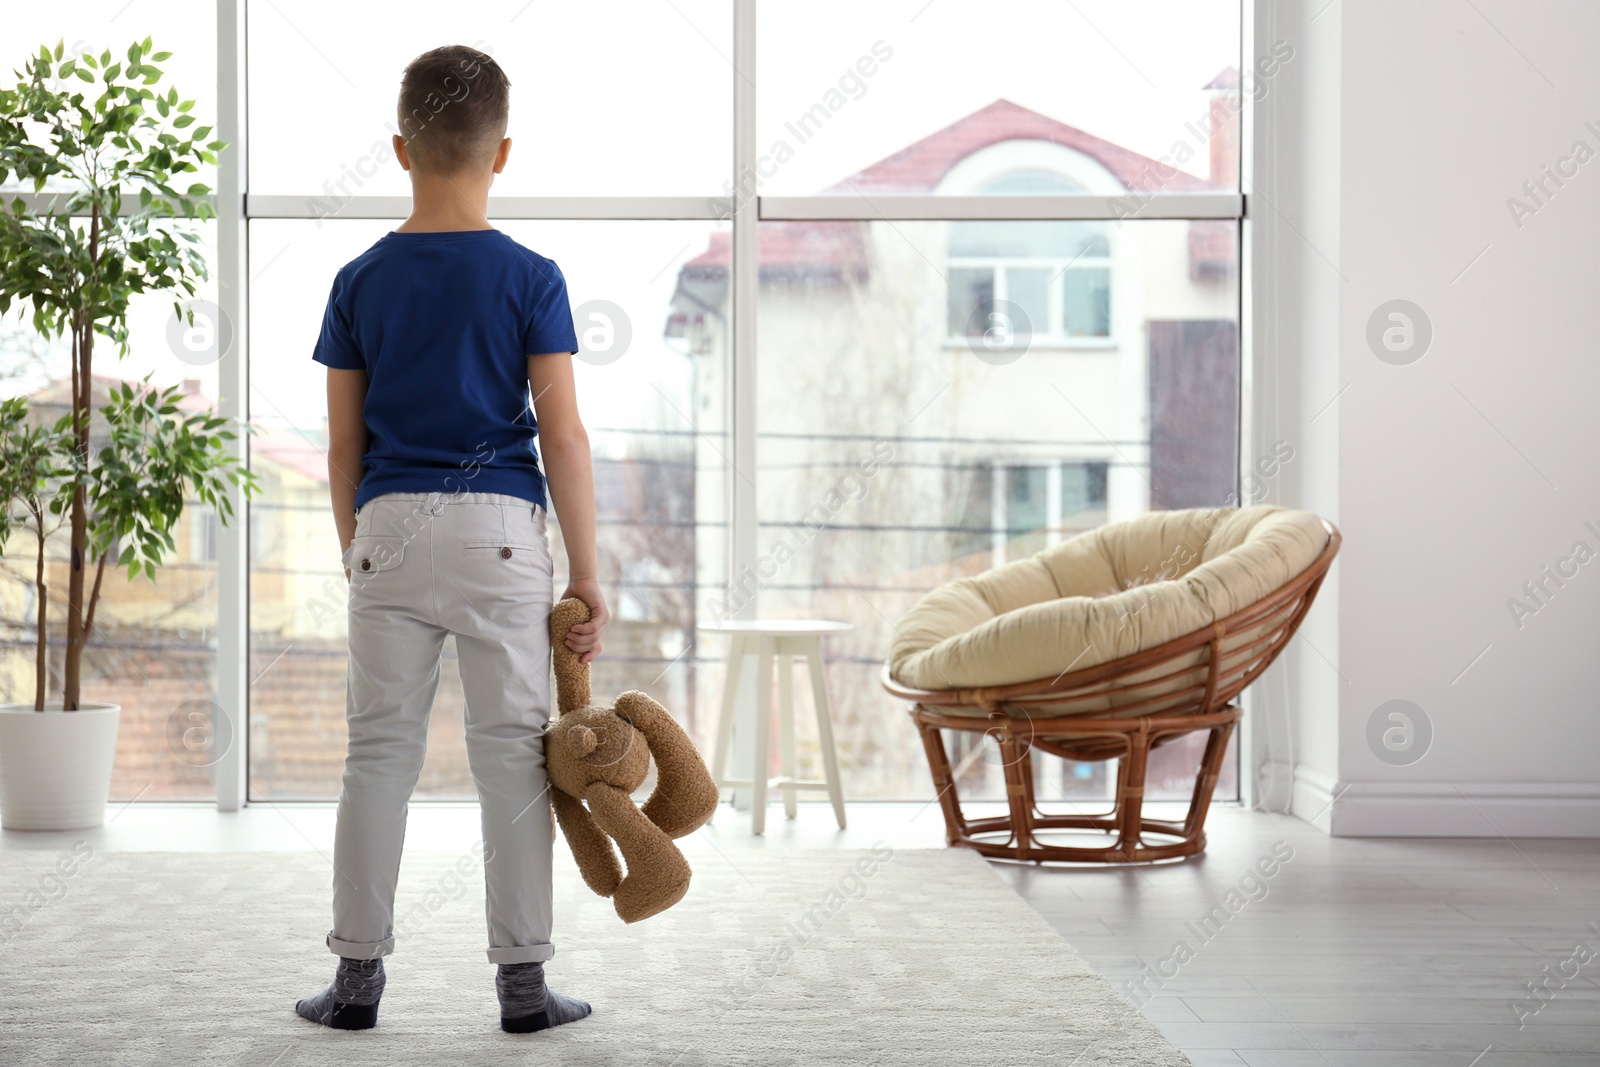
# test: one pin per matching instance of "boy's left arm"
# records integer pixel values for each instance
(570, 483)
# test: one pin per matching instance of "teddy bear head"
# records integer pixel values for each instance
(596, 745)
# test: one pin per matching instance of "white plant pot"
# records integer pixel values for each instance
(55, 766)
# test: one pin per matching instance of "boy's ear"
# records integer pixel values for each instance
(501, 153)
(400, 152)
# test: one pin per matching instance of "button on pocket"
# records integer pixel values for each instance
(502, 549)
(373, 554)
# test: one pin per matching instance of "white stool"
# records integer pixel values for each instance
(779, 640)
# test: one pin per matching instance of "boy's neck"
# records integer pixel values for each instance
(448, 202)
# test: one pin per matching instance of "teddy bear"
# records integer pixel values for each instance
(600, 756)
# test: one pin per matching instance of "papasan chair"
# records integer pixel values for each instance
(1106, 646)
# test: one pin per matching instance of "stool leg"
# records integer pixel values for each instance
(730, 697)
(758, 773)
(788, 759)
(824, 709)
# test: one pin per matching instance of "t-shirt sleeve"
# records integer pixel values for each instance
(336, 344)
(549, 327)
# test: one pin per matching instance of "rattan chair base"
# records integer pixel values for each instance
(1130, 741)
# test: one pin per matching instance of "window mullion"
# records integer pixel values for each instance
(230, 733)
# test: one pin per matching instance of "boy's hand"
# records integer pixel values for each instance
(584, 638)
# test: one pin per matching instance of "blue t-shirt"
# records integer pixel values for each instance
(443, 324)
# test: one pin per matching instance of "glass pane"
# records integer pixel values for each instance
(1083, 497)
(594, 112)
(971, 294)
(1027, 512)
(153, 650)
(653, 347)
(1068, 241)
(1086, 302)
(881, 439)
(1029, 289)
(963, 96)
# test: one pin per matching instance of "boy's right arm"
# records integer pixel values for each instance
(347, 444)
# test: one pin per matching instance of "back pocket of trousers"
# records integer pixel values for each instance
(500, 549)
(370, 554)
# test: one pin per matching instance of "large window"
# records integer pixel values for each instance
(921, 288)
(658, 509)
(930, 460)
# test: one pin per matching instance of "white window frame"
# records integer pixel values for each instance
(1054, 335)
(236, 207)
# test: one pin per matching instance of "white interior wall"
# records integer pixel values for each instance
(1391, 146)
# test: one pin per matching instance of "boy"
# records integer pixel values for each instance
(432, 339)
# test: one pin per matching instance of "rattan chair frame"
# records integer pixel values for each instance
(1017, 718)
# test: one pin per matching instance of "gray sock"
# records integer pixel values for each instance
(528, 1005)
(357, 985)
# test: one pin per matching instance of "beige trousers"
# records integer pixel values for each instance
(476, 565)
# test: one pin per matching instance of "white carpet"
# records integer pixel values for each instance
(197, 958)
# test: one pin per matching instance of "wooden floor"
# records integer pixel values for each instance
(1352, 953)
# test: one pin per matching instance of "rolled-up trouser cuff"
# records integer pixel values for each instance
(523, 954)
(356, 950)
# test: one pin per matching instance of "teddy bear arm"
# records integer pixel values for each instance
(685, 795)
(591, 848)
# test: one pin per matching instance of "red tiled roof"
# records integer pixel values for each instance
(288, 449)
(58, 392)
(1213, 249)
(1227, 78)
(920, 167)
(791, 246)
(839, 247)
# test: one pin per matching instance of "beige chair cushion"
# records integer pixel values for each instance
(1103, 595)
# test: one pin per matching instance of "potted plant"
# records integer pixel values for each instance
(114, 474)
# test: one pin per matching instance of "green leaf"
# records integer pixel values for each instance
(84, 75)
(161, 57)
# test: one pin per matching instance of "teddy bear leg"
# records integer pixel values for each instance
(658, 874)
(597, 860)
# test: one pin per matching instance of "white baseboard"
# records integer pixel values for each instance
(1467, 809)
(1436, 809)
